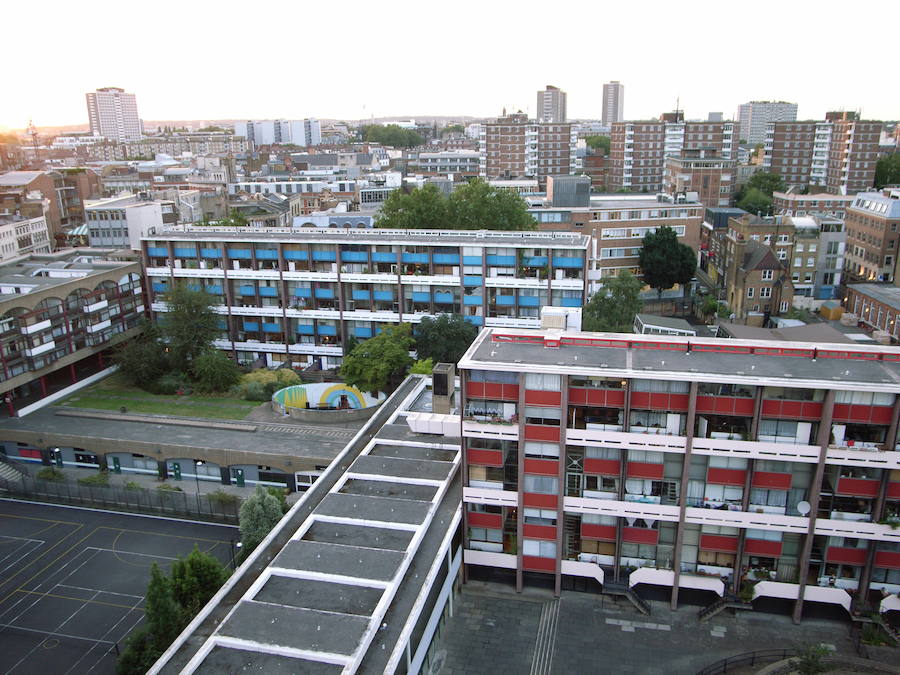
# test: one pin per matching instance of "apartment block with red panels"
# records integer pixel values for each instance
(719, 466)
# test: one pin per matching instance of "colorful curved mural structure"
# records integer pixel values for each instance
(327, 395)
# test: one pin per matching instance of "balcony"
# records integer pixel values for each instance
(41, 349)
(626, 440)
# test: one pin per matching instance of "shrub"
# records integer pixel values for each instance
(223, 498)
(51, 473)
(169, 384)
(260, 384)
(166, 487)
(281, 495)
(100, 478)
(132, 485)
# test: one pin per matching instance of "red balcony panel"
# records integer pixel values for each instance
(491, 520)
(639, 535)
(605, 467)
(535, 432)
(530, 562)
(606, 398)
(725, 476)
(510, 392)
(893, 490)
(539, 500)
(475, 389)
(551, 398)
(599, 532)
(539, 531)
(771, 480)
(542, 467)
(650, 401)
(719, 543)
(492, 390)
(846, 556)
(795, 410)
(885, 559)
(862, 414)
(644, 470)
(858, 487)
(484, 457)
(725, 405)
(640, 399)
(763, 547)
(577, 396)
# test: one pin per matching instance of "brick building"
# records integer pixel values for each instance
(819, 204)
(872, 221)
(513, 146)
(710, 176)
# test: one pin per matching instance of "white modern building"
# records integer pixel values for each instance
(755, 115)
(20, 235)
(122, 221)
(113, 114)
(303, 132)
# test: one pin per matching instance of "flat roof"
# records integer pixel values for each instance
(46, 270)
(544, 238)
(699, 359)
(887, 294)
(344, 592)
(665, 322)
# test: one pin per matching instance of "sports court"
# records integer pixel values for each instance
(72, 581)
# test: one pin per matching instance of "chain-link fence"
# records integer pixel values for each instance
(121, 498)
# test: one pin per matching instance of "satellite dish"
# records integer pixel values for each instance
(803, 508)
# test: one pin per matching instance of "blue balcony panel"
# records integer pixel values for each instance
(295, 255)
(472, 260)
(268, 291)
(473, 300)
(324, 256)
(354, 256)
(361, 295)
(325, 293)
(568, 262)
(502, 260)
(247, 290)
(158, 251)
(361, 332)
(386, 296)
(446, 258)
(535, 261)
(415, 258)
(159, 288)
(215, 290)
(251, 325)
(384, 257)
(443, 298)
(267, 254)
(239, 253)
(506, 300)
(194, 286)
(475, 320)
(327, 330)
(571, 302)
(210, 253)
(185, 253)
(472, 281)
(420, 296)
(303, 292)
(272, 327)
(305, 329)
(529, 301)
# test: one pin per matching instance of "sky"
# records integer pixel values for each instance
(202, 60)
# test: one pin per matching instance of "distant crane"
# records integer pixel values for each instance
(32, 131)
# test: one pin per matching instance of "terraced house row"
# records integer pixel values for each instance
(296, 296)
(710, 465)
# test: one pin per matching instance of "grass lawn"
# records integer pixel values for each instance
(114, 392)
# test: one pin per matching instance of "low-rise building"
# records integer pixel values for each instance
(702, 172)
(298, 295)
(819, 204)
(120, 222)
(461, 164)
(873, 220)
(23, 225)
(60, 314)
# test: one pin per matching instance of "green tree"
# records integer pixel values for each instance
(453, 129)
(422, 367)
(259, 513)
(195, 579)
(755, 201)
(422, 208)
(142, 360)
(164, 616)
(140, 653)
(380, 363)
(665, 261)
(480, 206)
(189, 326)
(445, 338)
(766, 182)
(214, 371)
(392, 135)
(612, 308)
(598, 143)
(810, 661)
(887, 171)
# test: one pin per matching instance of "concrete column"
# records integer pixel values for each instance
(520, 529)
(291, 481)
(560, 512)
(225, 474)
(682, 500)
(865, 578)
(815, 491)
(742, 532)
(464, 467)
(623, 474)
(162, 469)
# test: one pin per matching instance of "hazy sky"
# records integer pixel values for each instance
(209, 60)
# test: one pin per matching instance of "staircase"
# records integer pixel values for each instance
(890, 630)
(725, 602)
(9, 471)
(618, 588)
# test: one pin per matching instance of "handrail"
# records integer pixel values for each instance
(747, 658)
(15, 464)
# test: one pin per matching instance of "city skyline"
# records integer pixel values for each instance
(477, 81)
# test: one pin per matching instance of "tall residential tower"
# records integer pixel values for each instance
(113, 114)
(613, 102)
(551, 105)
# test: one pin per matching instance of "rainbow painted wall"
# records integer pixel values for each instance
(324, 395)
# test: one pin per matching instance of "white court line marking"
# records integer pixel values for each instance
(117, 551)
(98, 590)
(25, 542)
(104, 638)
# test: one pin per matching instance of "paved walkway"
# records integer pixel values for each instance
(496, 630)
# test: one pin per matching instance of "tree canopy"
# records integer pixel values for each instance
(473, 206)
(189, 326)
(766, 182)
(665, 261)
(612, 307)
(598, 143)
(380, 363)
(214, 371)
(755, 201)
(392, 135)
(258, 515)
(452, 129)
(445, 338)
(887, 171)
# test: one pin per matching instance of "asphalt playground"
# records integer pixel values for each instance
(72, 581)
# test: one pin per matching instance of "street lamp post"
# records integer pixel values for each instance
(197, 466)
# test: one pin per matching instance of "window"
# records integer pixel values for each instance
(544, 416)
(541, 450)
(810, 262)
(539, 549)
(484, 534)
(542, 382)
(750, 291)
(767, 275)
(540, 516)
(765, 292)
(544, 485)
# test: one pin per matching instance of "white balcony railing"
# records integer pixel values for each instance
(41, 349)
(97, 306)
(97, 327)
(624, 509)
(747, 520)
(477, 495)
(833, 527)
(36, 327)
(786, 452)
(489, 559)
(627, 441)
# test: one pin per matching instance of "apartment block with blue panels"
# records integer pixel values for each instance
(298, 295)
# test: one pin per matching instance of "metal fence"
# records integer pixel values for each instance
(120, 498)
(747, 659)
